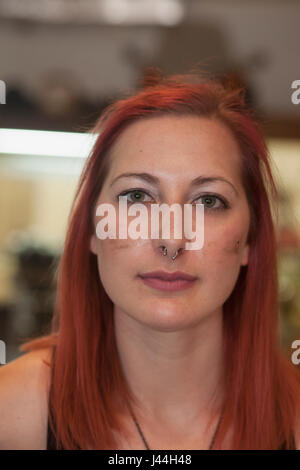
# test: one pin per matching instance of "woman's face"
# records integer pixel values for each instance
(175, 150)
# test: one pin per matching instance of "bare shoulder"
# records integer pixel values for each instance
(24, 388)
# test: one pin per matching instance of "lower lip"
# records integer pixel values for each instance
(156, 283)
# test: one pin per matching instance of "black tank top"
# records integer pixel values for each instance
(51, 442)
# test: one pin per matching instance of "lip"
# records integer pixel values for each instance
(168, 281)
(165, 276)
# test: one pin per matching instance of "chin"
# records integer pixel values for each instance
(169, 319)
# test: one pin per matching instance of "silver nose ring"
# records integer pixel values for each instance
(165, 252)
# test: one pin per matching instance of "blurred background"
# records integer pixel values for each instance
(63, 61)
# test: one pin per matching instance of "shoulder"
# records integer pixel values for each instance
(24, 388)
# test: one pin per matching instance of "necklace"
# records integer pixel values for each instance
(146, 444)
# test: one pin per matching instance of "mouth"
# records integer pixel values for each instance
(165, 281)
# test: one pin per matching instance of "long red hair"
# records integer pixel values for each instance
(261, 384)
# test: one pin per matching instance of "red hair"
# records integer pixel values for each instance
(261, 383)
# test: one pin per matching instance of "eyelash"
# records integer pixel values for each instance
(224, 203)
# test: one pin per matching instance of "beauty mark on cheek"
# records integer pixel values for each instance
(237, 246)
(234, 248)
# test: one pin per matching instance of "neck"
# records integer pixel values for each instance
(175, 376)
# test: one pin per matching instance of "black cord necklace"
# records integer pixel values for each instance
(146, 444)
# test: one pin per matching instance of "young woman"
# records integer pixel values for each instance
(137, 360)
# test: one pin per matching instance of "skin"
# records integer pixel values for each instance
(170, 343)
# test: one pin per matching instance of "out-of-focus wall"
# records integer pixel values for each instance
(38, 207)
(261, 35)
(286, 167)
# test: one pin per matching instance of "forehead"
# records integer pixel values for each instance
(176, 146)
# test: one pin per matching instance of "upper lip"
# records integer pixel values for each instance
(164, 275)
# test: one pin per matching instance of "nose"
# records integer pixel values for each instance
(170, 250)
(173, 244)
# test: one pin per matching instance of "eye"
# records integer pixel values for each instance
(210, 202)
(137, 195)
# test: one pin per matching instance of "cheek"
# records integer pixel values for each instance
(112, 249)
(220, 270)
(112, 254)
(229, 240)
(232, 247)
(222, 254)
(112, 260)
(234, 243)
(118, 260)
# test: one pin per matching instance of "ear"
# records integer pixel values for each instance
(245, 257)
(93, 244)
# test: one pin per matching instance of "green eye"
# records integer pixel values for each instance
(137, 194)
(209, 201)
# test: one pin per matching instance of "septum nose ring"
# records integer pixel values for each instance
(165, 252)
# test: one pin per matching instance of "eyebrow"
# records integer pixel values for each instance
(199, 180)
